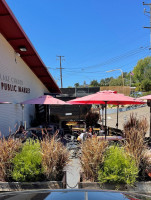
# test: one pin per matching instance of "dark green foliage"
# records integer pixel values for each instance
(118, 167)
(116, 82)
(76, 85)
(146, 85)
(91, 119)
(142, 69)
(27, 163)
(94, 83)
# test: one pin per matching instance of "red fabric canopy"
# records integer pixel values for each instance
(148, 97)
(3, 102)
(46, 99)
(106, 97)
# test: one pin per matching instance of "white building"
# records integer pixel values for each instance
(23, 75)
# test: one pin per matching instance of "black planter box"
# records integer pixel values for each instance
(18, 186)
(139, 187)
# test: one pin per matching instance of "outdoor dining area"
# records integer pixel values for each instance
(103, 131)
(91, 146)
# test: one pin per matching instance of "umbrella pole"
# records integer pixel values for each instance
(105, 121)
(22, 105)
(79, 112)
(150, 119)
(117, 116)
(49, 114)
(99, 115)
(149, 104)
(46, 111)
(102, 114)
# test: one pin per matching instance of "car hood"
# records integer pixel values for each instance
(72, 195)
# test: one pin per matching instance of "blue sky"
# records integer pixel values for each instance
(94, 35)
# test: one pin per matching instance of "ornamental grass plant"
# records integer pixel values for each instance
(92, 157)
(146, 165)
(9, 148)
(55, 157)
(134, 133)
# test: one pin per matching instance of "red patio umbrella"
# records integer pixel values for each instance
(45, 99)
(148, 98)
(106, 97)
(4, 102)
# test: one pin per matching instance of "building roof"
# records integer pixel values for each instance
(17, 38)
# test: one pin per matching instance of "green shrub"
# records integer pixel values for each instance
(27, 164)
(118, 167)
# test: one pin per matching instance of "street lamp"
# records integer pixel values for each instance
(116, 70)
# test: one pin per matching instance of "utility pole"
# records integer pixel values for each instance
(148, 4)
(60, 58)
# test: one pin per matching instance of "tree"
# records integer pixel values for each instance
(102, 82)
(146, 85)
(147, 72)
(107, 81)
(91, 119)
(94, 83)
(116, 82)
(76, 85)
(142, 69)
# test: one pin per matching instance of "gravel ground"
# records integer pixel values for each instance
(124, 116)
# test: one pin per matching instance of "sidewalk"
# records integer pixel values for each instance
(124, 116)
(73, 173)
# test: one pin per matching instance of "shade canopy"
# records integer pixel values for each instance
(4, 102)
(45, 99)
(148, 97)
(106, 97)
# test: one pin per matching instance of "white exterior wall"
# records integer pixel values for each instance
(11, 114)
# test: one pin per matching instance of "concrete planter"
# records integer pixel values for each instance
(139, 187)
(18, 186)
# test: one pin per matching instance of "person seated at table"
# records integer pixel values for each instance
(22, 134)
(82, 136)
(89, 132)
(102, 131)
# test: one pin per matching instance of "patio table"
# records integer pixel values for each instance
(110, 138)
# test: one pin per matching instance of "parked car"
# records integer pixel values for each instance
(72, 195)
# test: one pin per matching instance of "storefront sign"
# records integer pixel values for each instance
(12, 84)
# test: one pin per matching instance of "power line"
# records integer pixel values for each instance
(115, 59)
(123, 56)
(90, 55)
(98, 72)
